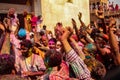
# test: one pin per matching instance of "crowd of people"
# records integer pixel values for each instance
(110, 6)
(71, 53)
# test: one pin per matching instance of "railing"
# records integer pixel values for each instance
(108, 13)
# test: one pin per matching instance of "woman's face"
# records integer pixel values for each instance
(58, 46)
(52, 45)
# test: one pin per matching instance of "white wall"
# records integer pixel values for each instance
(62, 11)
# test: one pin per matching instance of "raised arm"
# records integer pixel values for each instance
(78, 49)
(75, 27)
(64, 40)
(79, 17)
(80, 69)
(114, 43)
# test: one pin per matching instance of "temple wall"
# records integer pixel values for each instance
(54, 11)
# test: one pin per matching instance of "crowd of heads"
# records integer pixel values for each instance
(37, 49)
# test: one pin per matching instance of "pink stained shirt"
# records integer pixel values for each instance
(62, 74)
(34, 21)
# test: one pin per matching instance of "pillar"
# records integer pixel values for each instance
(36, 7)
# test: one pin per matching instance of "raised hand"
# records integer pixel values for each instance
(79, 15)
(112, 22)
(73, 23)
(65, 34)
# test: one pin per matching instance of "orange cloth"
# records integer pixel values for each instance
(41, 53)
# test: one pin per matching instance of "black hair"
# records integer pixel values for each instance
(94, 73)
(26, 43)
(39, 16)
(53, 39)
(41, 33)
(44, 26)
(6, 64)
(59, 24)
(21, 38)
(53, 58)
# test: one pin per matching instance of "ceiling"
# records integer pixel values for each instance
(14, 1)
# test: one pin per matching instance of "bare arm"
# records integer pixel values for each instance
(2, 27)
(75, 27)
(79, 17)
(64, 41)
(30, 74)
(79, 51)
(113, 40)
(26, 23)
(89, 39)
(74, 59)
(114, 43)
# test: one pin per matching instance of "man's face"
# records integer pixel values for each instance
(24, 50)
(101, 71)
(44, 27)
(58, 30)
(11, 11)
(44, 41)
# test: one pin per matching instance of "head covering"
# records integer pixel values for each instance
(31, 33)
(91, 47)
(22, 32)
